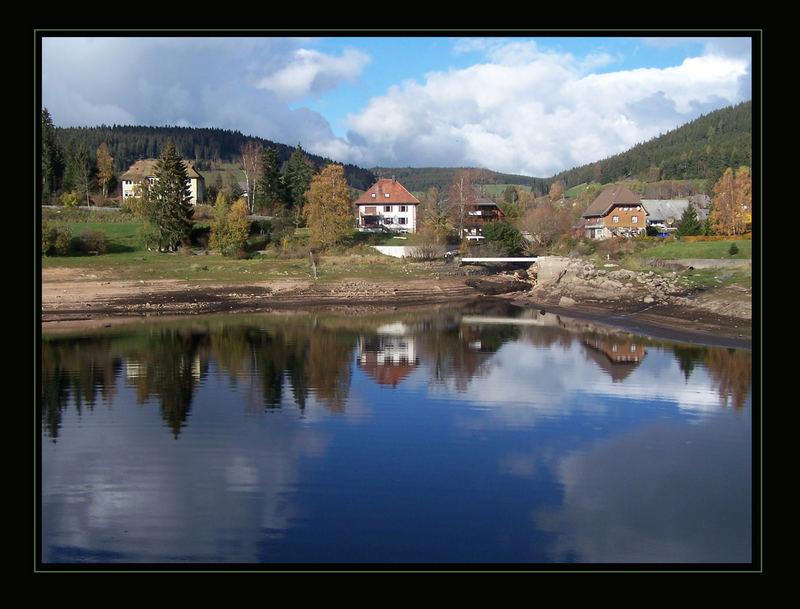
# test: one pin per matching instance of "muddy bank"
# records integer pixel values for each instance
(71, 300)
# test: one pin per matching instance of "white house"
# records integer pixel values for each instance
(145, 170)
(387, 206)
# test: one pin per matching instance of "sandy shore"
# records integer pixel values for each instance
(73, 299)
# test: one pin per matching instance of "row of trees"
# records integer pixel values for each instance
(71, 173)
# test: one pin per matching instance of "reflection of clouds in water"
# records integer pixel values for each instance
(559, 380)
(679, 500)
(175, 500)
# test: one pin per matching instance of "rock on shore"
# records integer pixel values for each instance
(567, 282)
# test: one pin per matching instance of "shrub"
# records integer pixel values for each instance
(56, 240)
(93, 240)
(505, 236)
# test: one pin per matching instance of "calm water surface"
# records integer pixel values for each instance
(446, 437)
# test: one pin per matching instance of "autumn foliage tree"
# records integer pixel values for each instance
(231, 228)
(105, 168)
(329, 208)
(731, 205)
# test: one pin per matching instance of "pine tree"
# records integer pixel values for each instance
(52, 157)
(171, 209)
(689, 223)
(299, 174)
(270, 187)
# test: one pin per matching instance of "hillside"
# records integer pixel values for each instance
(699, 150)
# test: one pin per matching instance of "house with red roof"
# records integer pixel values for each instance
(388, 207)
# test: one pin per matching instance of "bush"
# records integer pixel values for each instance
(93, 240)
(56, 240)
(505, 237)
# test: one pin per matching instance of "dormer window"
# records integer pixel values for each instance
(386, 195)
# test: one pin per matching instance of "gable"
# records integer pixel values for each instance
(618, 194)
(387, 191)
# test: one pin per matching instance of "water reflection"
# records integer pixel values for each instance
(470, 435)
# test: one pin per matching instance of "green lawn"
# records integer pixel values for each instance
(128, 259)
(698, 249)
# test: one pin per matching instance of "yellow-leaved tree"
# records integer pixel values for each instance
(231, 228)
(732, 202)
(329, 207)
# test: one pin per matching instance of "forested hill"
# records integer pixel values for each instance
(201, 146)
(701, 149)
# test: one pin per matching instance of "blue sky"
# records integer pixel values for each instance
(528, 105)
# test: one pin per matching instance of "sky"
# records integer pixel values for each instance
(524, 105)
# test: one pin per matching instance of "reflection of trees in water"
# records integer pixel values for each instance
(308, 356)
(731, 370)
(732, 373)
(166, 363)
(169, 366)
(77, 370)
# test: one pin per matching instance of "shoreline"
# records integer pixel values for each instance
(79, 303)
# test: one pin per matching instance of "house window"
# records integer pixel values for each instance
(402, 220)
(387, 208)
(386, 195)
(615, 219)
(634, 219)
(404, 208)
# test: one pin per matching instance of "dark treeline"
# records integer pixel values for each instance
(420, 179)
(201, 146)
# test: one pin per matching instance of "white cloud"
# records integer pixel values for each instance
(525, 111)
(523, 108)
(311, 73)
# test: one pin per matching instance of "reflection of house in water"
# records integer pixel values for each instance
(135, 369)
(618, 356)
(390, 355)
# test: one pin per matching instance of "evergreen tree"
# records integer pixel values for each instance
(52, 157)
(299, 174)
(689, 223)
(168, 208)
(270, 187)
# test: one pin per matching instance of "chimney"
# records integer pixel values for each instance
(392, 179)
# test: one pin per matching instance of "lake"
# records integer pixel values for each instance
(476, 436)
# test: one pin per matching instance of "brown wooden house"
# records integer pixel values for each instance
(616, 212)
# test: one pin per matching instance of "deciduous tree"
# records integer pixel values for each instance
(105, 167)
(460, 196)
(329, 207)
(231, 228)
(731, 205)
(250, 164)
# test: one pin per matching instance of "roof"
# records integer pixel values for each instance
(146, 167)
(618, 194)
(663, 209)
(387, 190)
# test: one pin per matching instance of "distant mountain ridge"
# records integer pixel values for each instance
(701, 149)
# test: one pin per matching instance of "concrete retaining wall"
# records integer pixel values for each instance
(402, 251)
